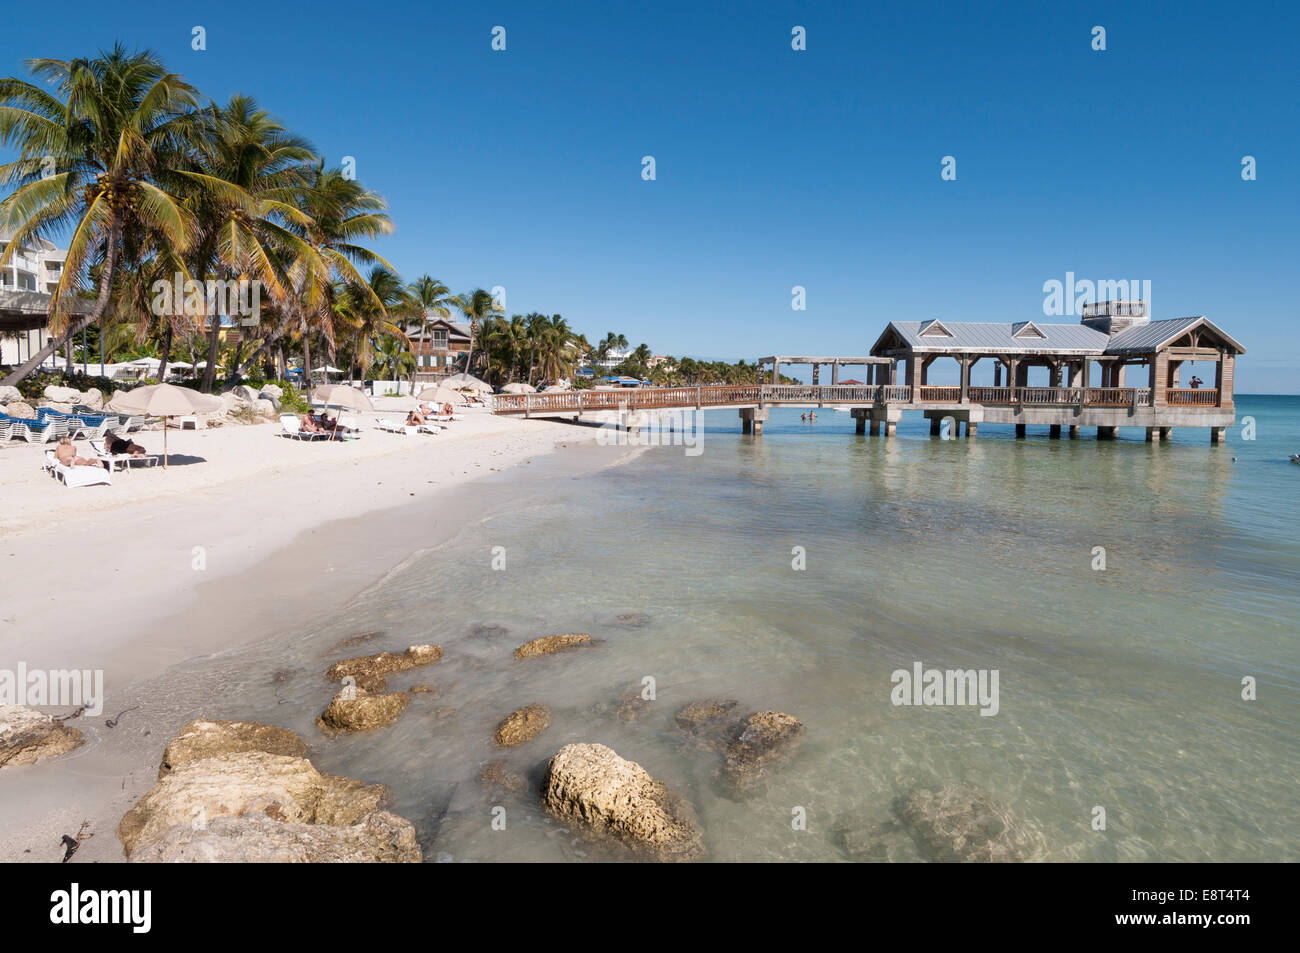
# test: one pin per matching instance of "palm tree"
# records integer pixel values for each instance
(252, 178)
(115, 127)
(477, 306)
(371, 312)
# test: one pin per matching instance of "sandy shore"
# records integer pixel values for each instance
(245, 535)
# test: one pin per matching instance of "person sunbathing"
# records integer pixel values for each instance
(415, 419)
(66, 454)
(307, 423)
(117, 445)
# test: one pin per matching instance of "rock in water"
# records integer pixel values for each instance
(762, 740)
(523, 725)
(279, 787)
(378, 838)
(28, 736)
(959, 823)
(206, 739)
(710, 722)
(498, 774)
(355, 709)
(590, 785)
(552, 643)
(385, 662)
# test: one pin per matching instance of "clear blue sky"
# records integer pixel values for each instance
(778, 168)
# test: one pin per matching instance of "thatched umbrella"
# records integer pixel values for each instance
(467, 382)
(442, 394)
(519, 388)
(164, 400)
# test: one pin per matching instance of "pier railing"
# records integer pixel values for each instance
(1193, 396)
(653, 398)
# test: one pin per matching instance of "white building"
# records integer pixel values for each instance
(27, 281)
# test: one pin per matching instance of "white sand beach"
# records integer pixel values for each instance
(246, 533)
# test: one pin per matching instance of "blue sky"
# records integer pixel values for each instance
(778, 168)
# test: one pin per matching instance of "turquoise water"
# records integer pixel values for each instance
(1119, 688)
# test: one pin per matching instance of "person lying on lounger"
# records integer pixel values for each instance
(415, 419)
(66, 454)
(309, 424)
(117, 445)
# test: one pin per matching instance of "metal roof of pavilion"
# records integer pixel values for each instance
(1023, 337)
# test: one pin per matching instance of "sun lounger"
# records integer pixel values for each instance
(291, 426)
(393, 427)
(122, 460)
(76, 476)
(43, 431)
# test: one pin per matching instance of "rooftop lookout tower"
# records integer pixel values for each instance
(1112, 317)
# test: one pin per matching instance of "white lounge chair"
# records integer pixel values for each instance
(76, 476)
(291, 426)
(121, 460)
(393, 427)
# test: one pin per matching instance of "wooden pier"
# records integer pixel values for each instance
(1113, 336)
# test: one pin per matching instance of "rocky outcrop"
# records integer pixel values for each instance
(20, 409)
(605, 795)
(10, 395)
(62, 395)
(385, 662)
(93, 398)
(355, 709)
(552, 643)
(202, 739)
(378, 838)
(521, 726)
(264, 408)
(761, 740)
(28, 736)
(272, 391)
(959, 823)
(277, 795)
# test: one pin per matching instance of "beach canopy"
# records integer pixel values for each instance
(442, 394)
(519, 389)
(467, 382)
(163, 400)
(555, 388)
(327, 369)
(341, 396)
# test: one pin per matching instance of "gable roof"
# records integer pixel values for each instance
(1022, 337)
(999, 336)
(1156, 334)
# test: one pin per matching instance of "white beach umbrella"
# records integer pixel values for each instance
(163, 400)
(442, 394)
(342, 397)
(519, 389)
(468, 382)
(554, 388)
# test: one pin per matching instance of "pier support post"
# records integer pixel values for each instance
(751, 419)
(890, 428)
(1054, 431)
(971, 428)
(1107, 433)
(934, 426)
(1165, 432)
(1218, 435)
(860, 417)
(1153, 435)
(1020, 431)
(875, 428)
(1074, 431)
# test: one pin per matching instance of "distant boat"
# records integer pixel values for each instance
(1295, 458)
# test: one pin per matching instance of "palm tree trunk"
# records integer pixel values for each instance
(166, 350)
(210, 369)
(97, 311)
